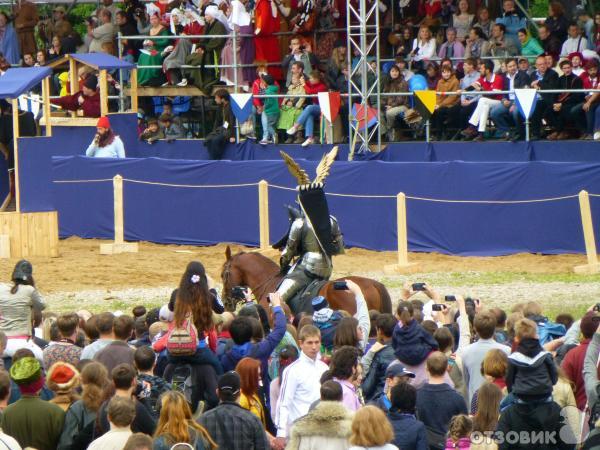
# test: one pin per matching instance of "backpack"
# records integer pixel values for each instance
(183, 340)
(84, 434)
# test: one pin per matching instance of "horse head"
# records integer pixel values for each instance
(231, 276)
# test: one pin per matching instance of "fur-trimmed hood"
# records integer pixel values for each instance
(328, 420)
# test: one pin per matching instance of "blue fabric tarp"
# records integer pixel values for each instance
(18, 80)
(192, 215)
(102, 61)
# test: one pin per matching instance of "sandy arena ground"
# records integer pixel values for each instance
(82, 278)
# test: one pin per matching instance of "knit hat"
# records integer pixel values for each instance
(60, 9)
(23, 271)
(229, 381)
(319, 303)
(91, 82)
(340, 43)
(103, 122)
(268, 79)
(62, 377)
(574, 54)
(26, 371)
(589, 324)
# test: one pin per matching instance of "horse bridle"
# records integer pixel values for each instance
(259, 291)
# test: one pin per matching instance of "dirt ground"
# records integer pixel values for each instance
(82, 278)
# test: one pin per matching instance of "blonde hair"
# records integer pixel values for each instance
(460, 427)
(371, 428)
(176, 420)
(525, 328)
(532, 309)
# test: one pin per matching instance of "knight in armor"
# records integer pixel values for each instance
(313, 238)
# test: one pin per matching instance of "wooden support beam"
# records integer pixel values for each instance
(588, 234)
(119, 246)
(402, 232)
(103, 93)
(263, 214)
(46, 105)
(134, 90)
(15, 116)
(73, 80)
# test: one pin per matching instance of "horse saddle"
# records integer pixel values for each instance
(302, 301)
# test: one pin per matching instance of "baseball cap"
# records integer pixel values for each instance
(398, 370)
(229, 381)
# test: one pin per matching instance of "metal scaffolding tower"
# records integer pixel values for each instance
(363, 79)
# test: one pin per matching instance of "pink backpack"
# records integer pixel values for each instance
(183, 340)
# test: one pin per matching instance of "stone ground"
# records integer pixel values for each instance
(81, 278)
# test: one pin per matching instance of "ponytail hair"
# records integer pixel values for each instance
(405, 312)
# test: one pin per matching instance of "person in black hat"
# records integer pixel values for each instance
(87, 99)
(394, 375)
(231, 426)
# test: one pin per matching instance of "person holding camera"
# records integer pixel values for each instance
(299, 52)
(241, 330)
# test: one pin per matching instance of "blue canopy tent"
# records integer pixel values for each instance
(101, 62)
(14, 83)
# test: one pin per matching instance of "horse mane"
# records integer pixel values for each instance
(264, 259)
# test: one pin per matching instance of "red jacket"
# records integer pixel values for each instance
(90, 105)
(573, 366)
(256, 90)
(313, 89)
(588, 83)
(495, 84)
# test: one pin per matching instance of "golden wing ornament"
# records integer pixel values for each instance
(297, 172)
(325, 165)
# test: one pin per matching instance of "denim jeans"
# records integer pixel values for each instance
(268, 125)
(307, 119)
(501, 116)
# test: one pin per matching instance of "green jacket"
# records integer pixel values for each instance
(34, 422)
(271, 105)
(531, 47)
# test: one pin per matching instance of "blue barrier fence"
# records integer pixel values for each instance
(464, 208)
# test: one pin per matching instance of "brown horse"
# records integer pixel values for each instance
(262, 275)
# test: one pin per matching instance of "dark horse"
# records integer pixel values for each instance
(262, 276)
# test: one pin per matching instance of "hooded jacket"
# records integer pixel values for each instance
(412, 344)
(531, 371)
(537, 419)
(328, 426)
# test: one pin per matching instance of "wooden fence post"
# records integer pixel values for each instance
(263, 214)
(402, 231)
(119, 246)
(588, 234)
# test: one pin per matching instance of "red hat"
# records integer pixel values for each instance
(572, 55)
(62, 377)
(103, 122)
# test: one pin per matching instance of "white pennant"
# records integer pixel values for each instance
(241, 99)
(526, 100)
(323, 98)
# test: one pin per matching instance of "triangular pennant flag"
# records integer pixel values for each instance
(425, 103)
(526, 100)
(330, 104)
(358, 113)
(241, 105)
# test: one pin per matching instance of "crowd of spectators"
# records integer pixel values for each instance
(458, 48)
(443, 372)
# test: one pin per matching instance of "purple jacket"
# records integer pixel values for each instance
(459, 51)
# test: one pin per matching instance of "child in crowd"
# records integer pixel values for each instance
(531, 371)
(459, 433)
(153, 132)
(150, 387)
(291, 108)
(170, 130)
(270, 113)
